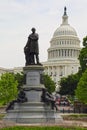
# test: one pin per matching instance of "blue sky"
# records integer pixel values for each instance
(17, 17)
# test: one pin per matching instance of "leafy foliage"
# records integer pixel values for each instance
(85, 41)
(81, 91)
(49, 83)
(69, 84)
(83, 59)
(8, 88)
(20, 79)
(83, 55)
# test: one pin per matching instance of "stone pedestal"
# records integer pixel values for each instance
(33, 111)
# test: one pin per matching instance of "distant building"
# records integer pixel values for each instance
(4, 70)
(13, 70)
(17, 70)
(63, 52)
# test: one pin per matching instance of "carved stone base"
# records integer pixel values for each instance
(33, 111)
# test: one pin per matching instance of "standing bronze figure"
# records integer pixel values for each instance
(31, 49)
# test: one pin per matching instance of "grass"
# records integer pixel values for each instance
(42, 128)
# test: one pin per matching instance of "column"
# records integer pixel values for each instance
(48, 55)
(66, 53)
(63, 52)
(52, 53)
(48, 71)
(58, 53)
(74, 53)
(70, 52)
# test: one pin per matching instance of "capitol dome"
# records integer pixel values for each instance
(65, 43)
(65, 30)
(63, 52)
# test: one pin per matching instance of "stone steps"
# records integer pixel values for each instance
(31, 112)
(32, 106)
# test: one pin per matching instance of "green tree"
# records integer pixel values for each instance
(83, 55)
(69, 84)
(8, 88)
(20, 79)
(83, 59)
(81, 91)
(85, 41)
(49, 83)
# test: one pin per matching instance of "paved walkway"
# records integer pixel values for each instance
(65, 123)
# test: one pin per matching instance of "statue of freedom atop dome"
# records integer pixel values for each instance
(31, 49)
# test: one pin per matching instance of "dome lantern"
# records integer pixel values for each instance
(65, 17)
(65, 10)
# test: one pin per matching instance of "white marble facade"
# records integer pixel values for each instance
(63, 52)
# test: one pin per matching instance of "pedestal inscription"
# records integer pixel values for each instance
(33, 78)
(34, 96)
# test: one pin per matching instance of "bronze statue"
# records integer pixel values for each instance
(48, 98)
(31, 49)
(20, 99)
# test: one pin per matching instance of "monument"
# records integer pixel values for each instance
(31, 105)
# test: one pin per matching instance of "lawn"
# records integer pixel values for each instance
(42, 128)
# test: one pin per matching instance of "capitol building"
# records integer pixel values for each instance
(63, 52)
